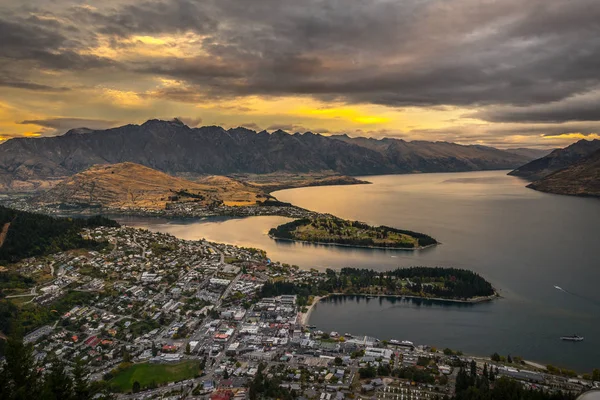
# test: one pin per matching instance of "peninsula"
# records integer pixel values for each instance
(337, 231)
(435, 283)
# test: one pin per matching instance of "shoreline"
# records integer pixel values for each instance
(304, 317)
(356, 246)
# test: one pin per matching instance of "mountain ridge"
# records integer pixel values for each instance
(127, 185)
(580, 179)
(557, 160)
(174, 148)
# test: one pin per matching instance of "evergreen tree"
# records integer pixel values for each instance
(81, 387)
(473, 370)
(19, 371)
(57, 384)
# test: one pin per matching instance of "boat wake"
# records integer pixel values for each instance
(590, 300)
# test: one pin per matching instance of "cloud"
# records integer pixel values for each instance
(190, 121)
(20, 84)
(56, 126)
(251, 125)
(582, 107)
(510, 62)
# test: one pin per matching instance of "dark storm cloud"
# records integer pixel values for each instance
(44, 45)
(21, 84)
(527, 58)
(150, 17)
(577, 108)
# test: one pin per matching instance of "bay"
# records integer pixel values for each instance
(524, 242)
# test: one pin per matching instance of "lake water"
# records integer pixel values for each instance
(524, 242)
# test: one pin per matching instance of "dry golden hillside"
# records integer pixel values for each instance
(133, 185)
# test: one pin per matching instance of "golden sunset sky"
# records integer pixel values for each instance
(501, 73)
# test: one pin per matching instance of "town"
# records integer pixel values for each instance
(153, 316)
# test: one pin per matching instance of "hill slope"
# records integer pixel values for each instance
(579, 179)
(27, 234)
(557, 160)
(133, 185)
(174, 148)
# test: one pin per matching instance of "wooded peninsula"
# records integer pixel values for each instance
(333, 230)
(424, 282)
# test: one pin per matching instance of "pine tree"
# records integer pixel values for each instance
(57, 384)
(19, 370)
(81, 387)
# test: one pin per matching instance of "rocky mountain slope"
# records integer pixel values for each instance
(127, 185)
(557, 160)
(579, 179)
(174, 148)
(531, 153)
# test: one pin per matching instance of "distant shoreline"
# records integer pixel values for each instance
(356, 245)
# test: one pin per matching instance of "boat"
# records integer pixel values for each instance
(394, 341)
(407, 343)
(572, 338)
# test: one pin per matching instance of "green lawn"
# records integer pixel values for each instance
(147, 374)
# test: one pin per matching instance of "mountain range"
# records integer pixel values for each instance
(174, 148)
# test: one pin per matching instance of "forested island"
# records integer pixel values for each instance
(424, 282)
(337, 231)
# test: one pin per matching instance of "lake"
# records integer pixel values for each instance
(524, 242)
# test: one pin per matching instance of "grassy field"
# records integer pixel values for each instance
(154, 374)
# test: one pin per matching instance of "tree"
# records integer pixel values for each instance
(495, 357)
(187, 348)
(225, 374)
(367, 372)
(509, 359)
(57, 384)
(154, 350)
(338, 361)
(19, 372)
(596, 374)
(81, 388)
(136, 387)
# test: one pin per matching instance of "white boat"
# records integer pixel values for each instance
(572, 338)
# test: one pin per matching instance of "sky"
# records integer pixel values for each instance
(504, 73)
